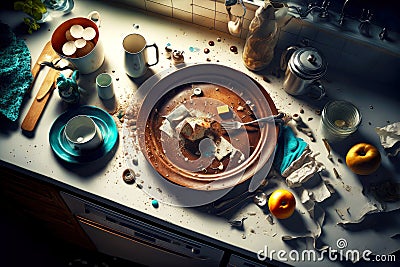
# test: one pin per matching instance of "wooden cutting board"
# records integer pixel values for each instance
(47, 54)
(35, 111)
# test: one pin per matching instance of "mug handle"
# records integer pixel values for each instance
(285, 54)
(157, 54)
(319, 88)
(95, 17)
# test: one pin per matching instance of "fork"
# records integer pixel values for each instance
(234, 125)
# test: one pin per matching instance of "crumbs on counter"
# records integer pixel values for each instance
(237, 223)
(211, 43)
(337, 175)
(266, 79)
(128, 176)
(340, 214)
(270, 219)
(206, 50)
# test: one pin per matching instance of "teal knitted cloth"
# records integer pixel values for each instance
(15, 72)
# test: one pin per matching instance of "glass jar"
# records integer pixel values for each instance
(339, 119)
(56, 8)
(263, 35)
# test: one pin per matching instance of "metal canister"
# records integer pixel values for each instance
(303, 70)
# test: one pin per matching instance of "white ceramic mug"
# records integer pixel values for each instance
(104, 86)
(89, 62)
(82, 133)
(136, 60)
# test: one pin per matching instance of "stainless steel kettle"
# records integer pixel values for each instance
(303, 71)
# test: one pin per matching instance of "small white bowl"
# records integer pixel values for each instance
(82, 133)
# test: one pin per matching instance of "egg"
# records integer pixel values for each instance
(81, 52)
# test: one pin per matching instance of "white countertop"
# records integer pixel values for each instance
(102, 180)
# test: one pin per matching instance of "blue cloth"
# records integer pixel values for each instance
(15, 72)
(289, 148)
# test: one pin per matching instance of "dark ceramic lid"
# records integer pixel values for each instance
(308, 63)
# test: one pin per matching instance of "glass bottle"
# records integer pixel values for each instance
(263, 35)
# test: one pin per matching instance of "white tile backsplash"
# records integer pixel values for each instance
(185, 5)
(205, 12)
(222, 17)
(341, 50)
(205, 3)
(162, 2)
(203, 21)
(159, 8)
(182, 15)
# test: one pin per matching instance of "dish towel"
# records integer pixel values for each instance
(294, 159)
(15, 72)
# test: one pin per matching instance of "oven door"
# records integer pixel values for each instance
(127, 238)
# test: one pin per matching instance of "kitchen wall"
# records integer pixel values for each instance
(346, 49)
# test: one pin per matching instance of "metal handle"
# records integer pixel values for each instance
(284, 57)
(317, 86)
(157, 54)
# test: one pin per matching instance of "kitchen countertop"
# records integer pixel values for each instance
(102, 180)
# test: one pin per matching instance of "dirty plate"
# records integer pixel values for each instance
(220, 86)
(63, 150)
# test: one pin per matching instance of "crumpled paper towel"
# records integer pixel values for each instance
(389, 136)
(302, 169)
(383, 197)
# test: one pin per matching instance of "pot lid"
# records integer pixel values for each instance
(309, 63)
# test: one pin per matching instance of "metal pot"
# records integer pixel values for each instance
(303, 70)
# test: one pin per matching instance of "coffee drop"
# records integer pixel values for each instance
(233, 49)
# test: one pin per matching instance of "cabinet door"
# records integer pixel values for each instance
(30, 198)
(127, 246)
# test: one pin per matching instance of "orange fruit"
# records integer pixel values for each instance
(363, 159)
(282, 203)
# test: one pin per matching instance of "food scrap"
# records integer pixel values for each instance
(223, 109)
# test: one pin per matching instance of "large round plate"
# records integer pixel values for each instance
(240, 86)
(63, 150)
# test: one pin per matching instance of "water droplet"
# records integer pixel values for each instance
(154, 203)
